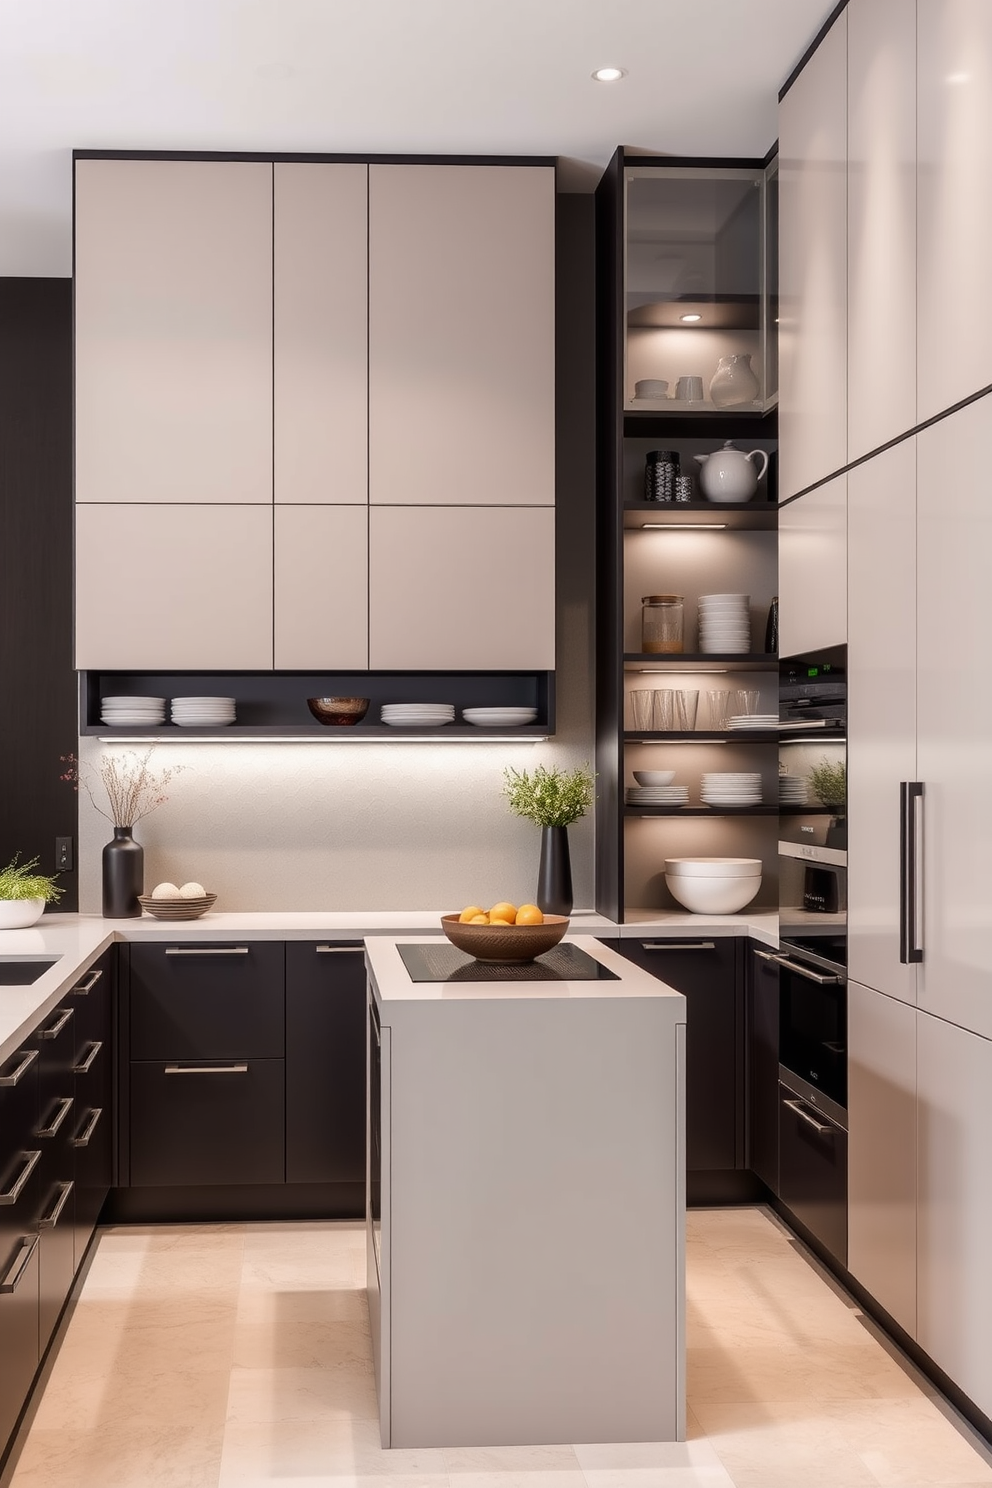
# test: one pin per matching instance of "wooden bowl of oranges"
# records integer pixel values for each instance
(504, 932)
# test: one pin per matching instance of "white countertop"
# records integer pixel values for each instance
(78, 940)
(393, 983)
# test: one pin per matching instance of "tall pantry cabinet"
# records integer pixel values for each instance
(918, 436)
(320, 393)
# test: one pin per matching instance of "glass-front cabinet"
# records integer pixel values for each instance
(687, 543)
(699, 311)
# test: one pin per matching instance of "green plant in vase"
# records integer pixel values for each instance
(553, 799)
(24, 893)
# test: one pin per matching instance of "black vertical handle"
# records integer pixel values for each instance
(910, 872)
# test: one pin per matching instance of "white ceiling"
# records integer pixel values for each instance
(370, 76)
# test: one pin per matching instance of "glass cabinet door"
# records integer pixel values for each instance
(699, 329)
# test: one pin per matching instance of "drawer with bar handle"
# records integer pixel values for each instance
(207, 1001)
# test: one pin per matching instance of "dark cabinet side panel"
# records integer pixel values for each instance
(763, 1101)
(325, 1062)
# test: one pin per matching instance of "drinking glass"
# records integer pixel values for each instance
(664, 708)
(686, 703)
(718, 707)
(642, 707)
(746, 701)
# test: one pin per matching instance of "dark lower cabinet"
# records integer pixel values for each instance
(94, 1071)
(706, 972)
(224, 1000)
(762, 1056)
(325, 1062)
(207, 1122)
(56, 1042)
(19, 1239)
(813, 1171)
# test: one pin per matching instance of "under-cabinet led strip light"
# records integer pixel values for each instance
(684, 526)
(186, 740)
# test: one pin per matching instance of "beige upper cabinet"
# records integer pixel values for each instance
(954, 201)
(461, 589)
(813, 268)
(881, 183)
(173, 333)
(812, 570)
(321, 588)
(461, 335)
(320, 312)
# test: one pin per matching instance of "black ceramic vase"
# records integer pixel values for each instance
(123, 876)
(554, 876)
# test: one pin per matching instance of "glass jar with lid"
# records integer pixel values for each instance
(662, 622)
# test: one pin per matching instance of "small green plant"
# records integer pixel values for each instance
(829, 781)
(551, 798)
(19, 881)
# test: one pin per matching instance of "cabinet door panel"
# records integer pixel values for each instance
(881, 200)
(763, 1099)
(321, 332)
(954, 1074)
(954, 714)
(461, 589)
(813, 268)
(325, 1057)
(203, 1126)
(461, 334)
(813, 570)
(322, 588)
(174, 588)
(881, 1101)
(219, 1001)
(881, 705)
(173, 331)
(954, 210)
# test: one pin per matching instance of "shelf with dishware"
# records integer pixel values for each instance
(302, 707)
(699, 661)
(700, 736)
(760, 809)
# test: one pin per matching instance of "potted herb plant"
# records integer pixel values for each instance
(24, 893)
(553, 799)
(829, 781)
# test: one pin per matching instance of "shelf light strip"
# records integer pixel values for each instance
(683, 526)
(186, 740)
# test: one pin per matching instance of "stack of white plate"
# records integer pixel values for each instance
(742, 789)
(725, 623)
(753, 721)
(793, 790)
(499, 717)
(417, 715)
(657, 795)
(203, 712)
(132, 712)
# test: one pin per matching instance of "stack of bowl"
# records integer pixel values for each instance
(713, 885)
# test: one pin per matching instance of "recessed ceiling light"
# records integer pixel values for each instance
(609, 74)
(690, 319)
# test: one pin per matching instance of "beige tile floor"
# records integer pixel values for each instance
(235, 1356)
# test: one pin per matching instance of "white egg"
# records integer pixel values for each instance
(192, 891)
(165, 891)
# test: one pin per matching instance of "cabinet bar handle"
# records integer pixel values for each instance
(26, 1250)
(65, 1106)
(348, 950)
(81, 988)
(804, 971)
(51, 1220)
(12, 1194)
(84, 1140)
(823, 1127)
(15, 1076)
(910, 871)
(668, 945)
(206, 1069)
(56, 1028)
(206, 950)
(87, 1064)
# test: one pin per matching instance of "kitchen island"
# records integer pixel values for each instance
(527, 1201)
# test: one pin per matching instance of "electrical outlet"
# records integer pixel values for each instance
(63, 854)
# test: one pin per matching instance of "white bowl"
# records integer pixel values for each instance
(16, 913)
(712, 895)
(713, 867)
(654, 777)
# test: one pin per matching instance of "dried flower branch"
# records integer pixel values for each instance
(133, 790)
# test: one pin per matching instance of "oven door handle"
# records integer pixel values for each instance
(824, 1128)
(825, 980)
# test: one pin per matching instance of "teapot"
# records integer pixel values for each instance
(729, 476)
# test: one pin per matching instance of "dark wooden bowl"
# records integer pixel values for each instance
(338, 710)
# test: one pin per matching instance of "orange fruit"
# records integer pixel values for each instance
(468, 914)
(479, 919)
(504, 910)
(529, 914)
(494, 920)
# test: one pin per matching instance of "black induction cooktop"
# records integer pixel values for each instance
(442, 962)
